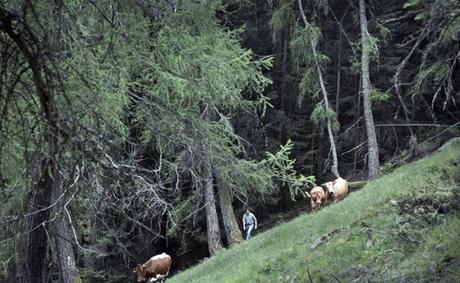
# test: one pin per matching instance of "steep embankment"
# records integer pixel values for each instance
(402, 226)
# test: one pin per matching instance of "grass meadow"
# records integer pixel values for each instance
(404, 226)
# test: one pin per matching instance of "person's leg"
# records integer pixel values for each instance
(248, 235)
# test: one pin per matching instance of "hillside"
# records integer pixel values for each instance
(402, 226)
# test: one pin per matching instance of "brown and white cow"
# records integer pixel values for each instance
(318, 196)
(337, 189)
(155, 268)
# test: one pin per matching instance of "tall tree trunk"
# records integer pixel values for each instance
(339, 57)
(68, 272)
(212, 221)
(35, 258)
(62, 234)
(373, 150)
(335, 162)
(284, 106)
(233, 233)
(38, 207)
(339, 73)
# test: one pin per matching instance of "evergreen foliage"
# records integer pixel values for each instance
(115, 112)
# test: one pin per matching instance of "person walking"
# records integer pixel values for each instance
(249, 223)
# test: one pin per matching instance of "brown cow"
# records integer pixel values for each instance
(318, 196)
(155, 268)
(338, 189)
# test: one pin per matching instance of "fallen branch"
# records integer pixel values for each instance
(336, 278)
(409, 125)
(357, 185)
(326, 237)
(309, 276)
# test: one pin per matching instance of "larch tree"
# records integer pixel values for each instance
(197, 73)
(17, 29)
(55, 127)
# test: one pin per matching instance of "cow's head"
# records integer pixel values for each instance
(317, 199)
(329, 188)
(140, 273)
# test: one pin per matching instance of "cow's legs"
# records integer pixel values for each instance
(161, 276)
(158, 276)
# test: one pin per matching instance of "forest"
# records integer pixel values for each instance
(129, 128)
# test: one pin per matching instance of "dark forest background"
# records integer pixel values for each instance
(131, 128)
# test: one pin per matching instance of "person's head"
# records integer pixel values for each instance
(247, 210)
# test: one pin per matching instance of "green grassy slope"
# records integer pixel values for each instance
(404, 226)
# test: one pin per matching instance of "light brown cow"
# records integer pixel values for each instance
(155, 268)
(318, 196)
(337, 189)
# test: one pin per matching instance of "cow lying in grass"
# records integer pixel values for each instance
(337, 189)
(157, 267)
